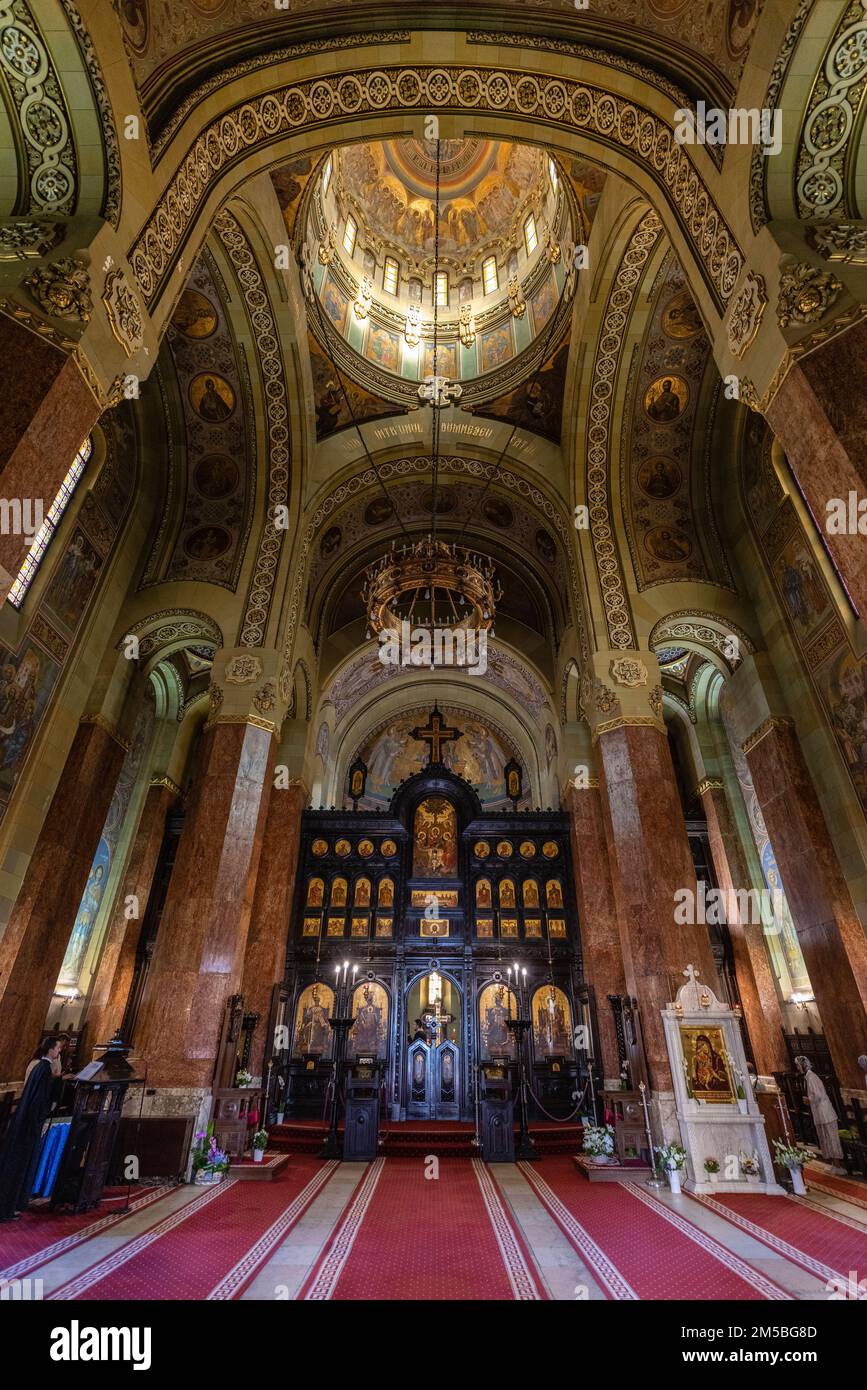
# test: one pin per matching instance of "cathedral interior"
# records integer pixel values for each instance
(433, 686)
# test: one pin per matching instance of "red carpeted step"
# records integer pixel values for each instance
(417, 1138)
(407, 1236)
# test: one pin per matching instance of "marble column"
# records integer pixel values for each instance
(38, 932)
(829, 931)
(650, 856)
(597, 911)
(752, 963)
(117, 962)
(265, 956)
(819, 415)
(199, 952)
(43, 423)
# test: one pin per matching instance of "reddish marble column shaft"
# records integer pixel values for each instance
(43, 422)
(117, 962)
(36, 938)
(819, 416)
(650, 861)
(199, 950)
(600, 934)
(265, 958)
(752, 964)
(831, 936)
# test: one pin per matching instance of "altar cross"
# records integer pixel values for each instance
(435, 733)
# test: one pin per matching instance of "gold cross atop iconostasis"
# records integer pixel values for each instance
(435, 733)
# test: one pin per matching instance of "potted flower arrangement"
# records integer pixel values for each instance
(672, 1157)
(624, 1077)
(244, 1078)
(793, 1157)
(259, 1145)
(711, 1167)
(210, 1162)
(750, 1167)
(599, 1143)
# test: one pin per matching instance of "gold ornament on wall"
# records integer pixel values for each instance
(746, 314)
(328, 247)
(467, 325)
(243, 670)
(364, 302)
(806, 293)
(628, 671)
(412, 328)
(62, 289)
(124, 312)
(517, 303)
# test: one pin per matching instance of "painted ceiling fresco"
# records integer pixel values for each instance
(720, 31)
(365, 672)
(374, 514)
(667, 527)
(216, 401)
(484, 186)
(537, 404)
(338, 407)
(479, 756)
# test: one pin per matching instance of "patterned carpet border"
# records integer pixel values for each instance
(774, 1242)
(233, 1283)
(605, 1271)
(324, 1280)
(514, 1256)
(738, 1266)
(88, 1277)
(60, 1247)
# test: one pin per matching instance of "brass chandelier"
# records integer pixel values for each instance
(430, 584)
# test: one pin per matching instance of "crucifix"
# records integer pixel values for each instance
(435, 734)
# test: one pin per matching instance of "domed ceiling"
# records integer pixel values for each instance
(499, 253)
(484, 186)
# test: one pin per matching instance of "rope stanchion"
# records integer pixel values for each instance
(559, 1119)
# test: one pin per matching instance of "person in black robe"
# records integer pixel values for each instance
(20, 1153)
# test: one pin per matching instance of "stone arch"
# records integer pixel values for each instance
(592, 110)
(170, 630)
(706, 633)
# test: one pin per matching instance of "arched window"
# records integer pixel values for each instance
(47, 528)
(531, 239)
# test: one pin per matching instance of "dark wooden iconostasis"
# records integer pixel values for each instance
(431, 903)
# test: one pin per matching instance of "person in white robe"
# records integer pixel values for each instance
(824, 1116)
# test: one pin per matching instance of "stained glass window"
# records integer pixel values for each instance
(42, 539)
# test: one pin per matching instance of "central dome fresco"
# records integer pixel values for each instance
(484, 184)
(404, 294)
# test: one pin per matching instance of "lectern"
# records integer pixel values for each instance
(361, 1123)
(96, 1112)
(498, 1113)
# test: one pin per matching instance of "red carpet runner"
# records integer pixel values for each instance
(41, 1236)
(405, 1236)
(826, 1246)
(211, 1248)
(635, 1247)
(847, 1188)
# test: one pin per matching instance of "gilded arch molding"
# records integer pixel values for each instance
(563, 104)
(706, 632)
